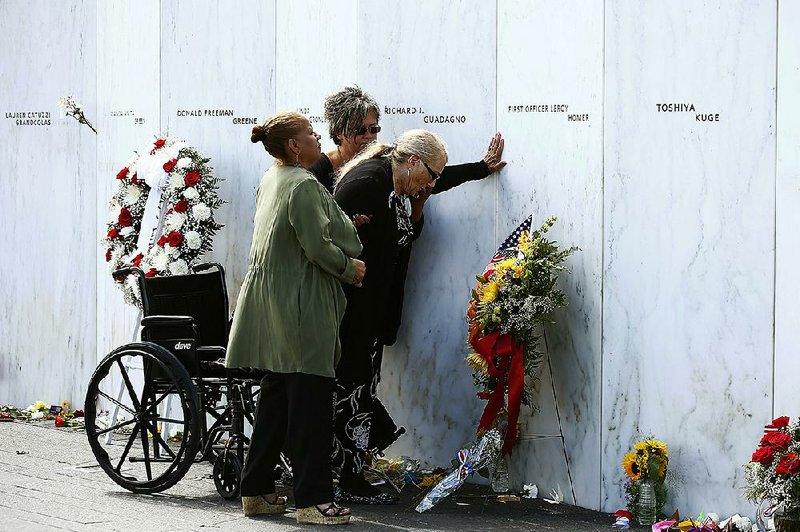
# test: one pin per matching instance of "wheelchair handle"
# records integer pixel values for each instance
(203, 266)
(127, 271)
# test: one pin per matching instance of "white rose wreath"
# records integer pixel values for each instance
(168, 191)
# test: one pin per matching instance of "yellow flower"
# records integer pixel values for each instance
(505, 265)
(524, 241)
(518, 270)
(659, 446)
(488, 292)
(478, 363)
(631, 467)
(39, 406)
(640, 446)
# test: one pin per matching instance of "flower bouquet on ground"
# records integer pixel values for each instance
(514, 296)
(773, 474)
(645, 490)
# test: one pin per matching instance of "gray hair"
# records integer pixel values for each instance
(346, 110)
(427, 145)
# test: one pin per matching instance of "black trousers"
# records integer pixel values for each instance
(295, 409)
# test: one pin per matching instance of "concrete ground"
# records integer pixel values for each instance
(49, 480)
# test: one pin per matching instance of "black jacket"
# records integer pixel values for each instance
(451, 177)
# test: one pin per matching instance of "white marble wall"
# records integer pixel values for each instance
(47, 208)
(422, 61)
(689, 240)
(555, 156)
(315, 47)
(787, 215)
(128, 118)
(214, 57)
(686, 228)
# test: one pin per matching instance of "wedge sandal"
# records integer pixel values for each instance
(332, 514)
(259, 505)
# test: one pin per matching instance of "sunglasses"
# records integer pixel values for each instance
(434, 175)
(363, 130)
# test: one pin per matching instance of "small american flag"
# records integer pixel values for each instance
(508, 248)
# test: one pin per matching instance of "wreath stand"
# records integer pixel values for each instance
(560, 435)
(136, 327)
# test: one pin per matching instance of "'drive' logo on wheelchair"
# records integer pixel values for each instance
(182, 346)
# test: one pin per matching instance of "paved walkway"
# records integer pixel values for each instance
(49, 480)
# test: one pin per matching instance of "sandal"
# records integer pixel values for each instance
(259, 504)
(330, 514)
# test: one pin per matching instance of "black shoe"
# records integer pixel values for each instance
(341, 496)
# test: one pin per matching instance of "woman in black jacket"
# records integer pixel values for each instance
(352, 116)
(381, 182)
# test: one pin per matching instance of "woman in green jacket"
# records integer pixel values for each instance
(287, 321)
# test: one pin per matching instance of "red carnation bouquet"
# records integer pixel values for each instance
(773, 473)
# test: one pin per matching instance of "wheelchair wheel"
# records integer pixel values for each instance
(228, 474)
(143, 417)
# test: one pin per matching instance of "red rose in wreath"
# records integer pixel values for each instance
(779, 423)
(138, 259)
(161, 241)
(113, 233)
(191, 179)
(779, 441)
(134, 179)
(182, 206)
(175, 239)
(125, 218)
(170, 165)
(159, 143)
(108, 254)
(763, 455)
(151, 273)
(789, 464)
(123, 173)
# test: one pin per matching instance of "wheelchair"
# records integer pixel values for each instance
(155, 407)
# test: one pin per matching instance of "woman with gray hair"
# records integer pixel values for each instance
(379, 181)
(353, 115)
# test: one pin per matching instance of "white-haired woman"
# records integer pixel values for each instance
(381, 181)
(353, 123)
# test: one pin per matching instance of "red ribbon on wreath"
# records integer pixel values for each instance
(504, 357)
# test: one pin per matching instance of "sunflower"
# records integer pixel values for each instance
(659, 447)
(631, 466)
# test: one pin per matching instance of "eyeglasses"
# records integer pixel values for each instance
(363, 130)
(434, 175)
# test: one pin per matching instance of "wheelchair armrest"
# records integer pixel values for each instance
(167, 321)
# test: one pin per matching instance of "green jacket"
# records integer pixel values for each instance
(291, 302)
